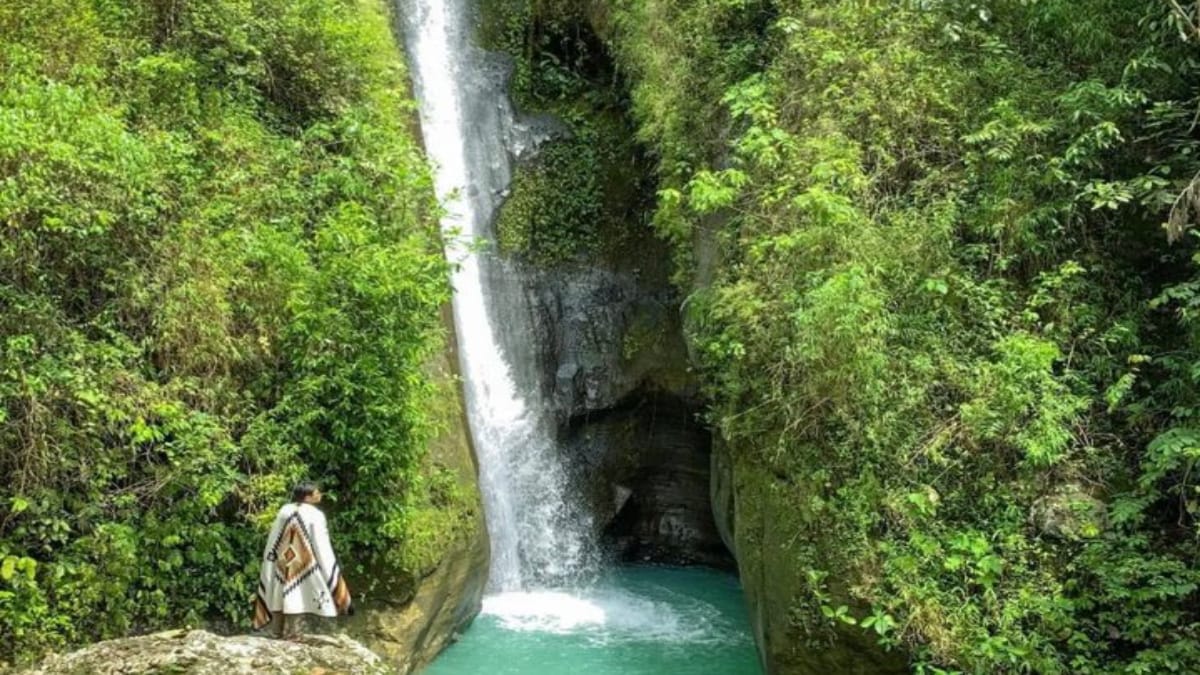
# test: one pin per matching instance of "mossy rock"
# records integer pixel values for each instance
(580, 197)
(757, 511)
(551, 215)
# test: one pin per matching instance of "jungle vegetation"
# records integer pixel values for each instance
(942, 284)
(938, 263)
(220, 272)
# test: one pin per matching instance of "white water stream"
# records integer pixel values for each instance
(540, 537)
(548, 610)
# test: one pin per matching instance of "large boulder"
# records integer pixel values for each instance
(1069, 512)
(197, 652)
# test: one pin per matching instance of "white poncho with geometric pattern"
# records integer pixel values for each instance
(300, 574)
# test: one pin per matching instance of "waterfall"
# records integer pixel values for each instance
(540, 536)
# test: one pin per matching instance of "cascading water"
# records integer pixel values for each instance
(539, 618)
(539, 535)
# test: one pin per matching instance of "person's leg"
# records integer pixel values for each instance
(293, 626)
(275, 628)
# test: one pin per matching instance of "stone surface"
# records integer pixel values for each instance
(617, 378)
(652, 458)
(720, 493)
(1069, 512)
(199, 652)
(606, 334)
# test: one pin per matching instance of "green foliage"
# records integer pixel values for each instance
(556, 55)
(943, 296)
(554, 210)
(562, 204)
(220, 272)
(576, 197)
(1016, 399)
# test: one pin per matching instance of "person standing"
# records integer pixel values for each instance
(300, 576)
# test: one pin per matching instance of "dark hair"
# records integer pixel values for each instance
(303, 490)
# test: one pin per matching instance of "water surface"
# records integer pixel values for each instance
(634, 621)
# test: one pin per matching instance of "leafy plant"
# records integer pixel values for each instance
(220, 272)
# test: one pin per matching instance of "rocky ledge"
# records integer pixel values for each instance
(198, 652)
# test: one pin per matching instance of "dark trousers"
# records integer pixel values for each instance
(287, 626)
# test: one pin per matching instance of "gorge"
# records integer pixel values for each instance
(628, 335)
(553, 602)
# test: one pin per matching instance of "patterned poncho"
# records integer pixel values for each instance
(300, 574)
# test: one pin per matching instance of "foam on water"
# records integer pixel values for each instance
(612, 615)
(634, 621)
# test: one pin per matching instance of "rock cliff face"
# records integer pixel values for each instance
(752, 515)
(612, 365)
(753, 507)
(606, 333)
(617, 376)
(653, 455)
